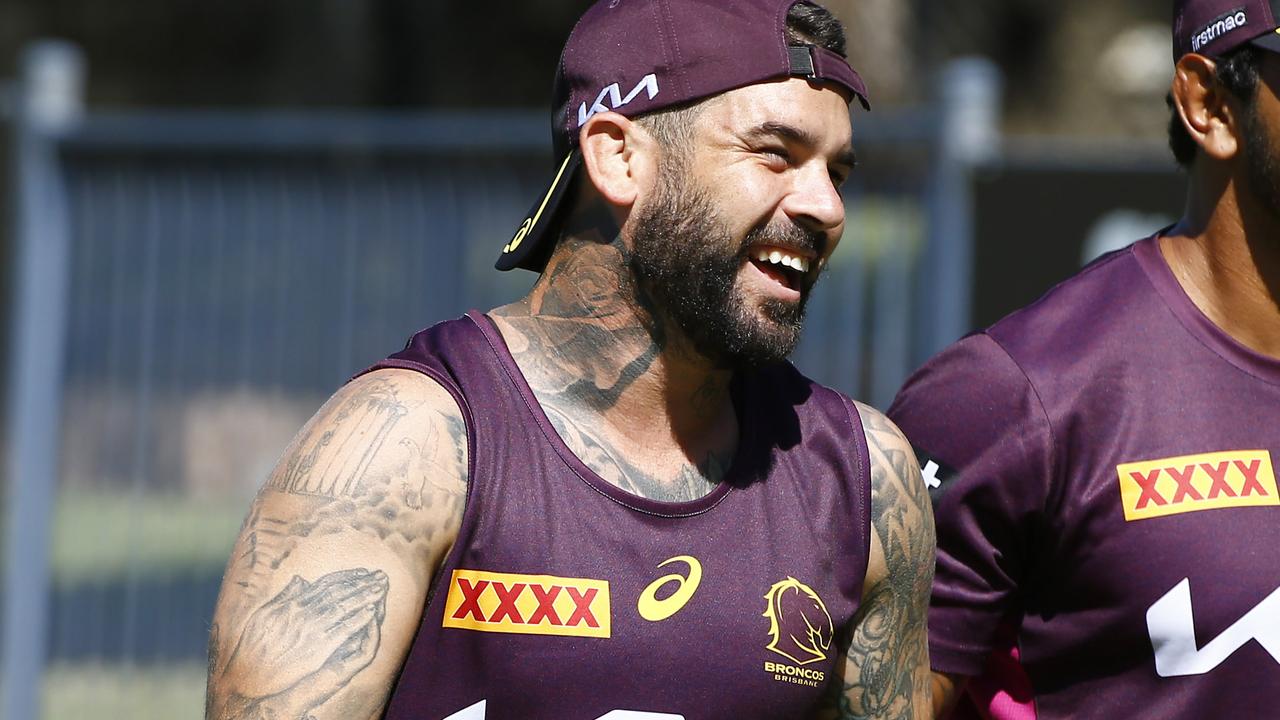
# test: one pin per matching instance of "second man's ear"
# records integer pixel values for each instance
(619, 157)
(1209, 112)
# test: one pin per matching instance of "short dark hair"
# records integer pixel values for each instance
(810, 24)
(807, 24)
(1238, 73)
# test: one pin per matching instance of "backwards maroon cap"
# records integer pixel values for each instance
(638, 56)
(1216, 27)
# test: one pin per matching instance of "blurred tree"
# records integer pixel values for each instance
(1053, 55)
(415, 53)
(302, 52)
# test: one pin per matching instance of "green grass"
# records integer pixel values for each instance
(101, 535)
(73, 692)
(877, 225)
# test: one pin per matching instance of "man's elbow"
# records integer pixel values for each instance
(947, 688)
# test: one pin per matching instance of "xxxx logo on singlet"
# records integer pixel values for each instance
(527, 604)
(1157, 488)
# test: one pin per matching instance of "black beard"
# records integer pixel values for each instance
(687, 261)
(1262, 162)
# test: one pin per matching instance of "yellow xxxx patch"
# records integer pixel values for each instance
(527, 604)
(1191, 483)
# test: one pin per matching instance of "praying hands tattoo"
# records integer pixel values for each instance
(307, 642)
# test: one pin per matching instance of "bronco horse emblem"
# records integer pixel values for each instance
(800, 627)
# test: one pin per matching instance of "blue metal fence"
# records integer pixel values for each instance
(191, 285)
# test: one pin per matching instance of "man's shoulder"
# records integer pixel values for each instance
(784, 381)
(1040, 350)
(786, 389)
(1110, 295)
(871, 428)
(973, 377)
(391, 400)
(432, 347)
(406, 385)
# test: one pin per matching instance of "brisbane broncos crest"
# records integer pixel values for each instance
(800, 628)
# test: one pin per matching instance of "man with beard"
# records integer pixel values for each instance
(613, 498)
(1104, 460)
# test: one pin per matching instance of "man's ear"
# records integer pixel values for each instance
(619, 157)
(1208, 111)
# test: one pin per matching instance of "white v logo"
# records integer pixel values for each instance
(1173, 635)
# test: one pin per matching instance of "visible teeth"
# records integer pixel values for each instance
(777, 257)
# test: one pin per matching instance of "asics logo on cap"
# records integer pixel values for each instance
(1219, 27)
(613, 94)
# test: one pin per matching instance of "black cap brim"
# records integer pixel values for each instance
(534, 240)
(1269, 41)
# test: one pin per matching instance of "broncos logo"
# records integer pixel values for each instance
(800, 627)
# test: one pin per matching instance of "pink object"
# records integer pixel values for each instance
(1003, 691)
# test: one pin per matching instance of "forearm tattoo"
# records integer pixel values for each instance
(301, 648)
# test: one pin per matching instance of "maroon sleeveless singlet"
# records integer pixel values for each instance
(565, 597)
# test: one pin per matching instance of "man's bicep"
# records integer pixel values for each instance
(327, 580)
(886, 664)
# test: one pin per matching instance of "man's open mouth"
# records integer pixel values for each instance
(785, 267)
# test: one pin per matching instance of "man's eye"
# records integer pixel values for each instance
(777, 154)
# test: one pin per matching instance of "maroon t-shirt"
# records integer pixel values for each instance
(1105, 468)
(567, 598)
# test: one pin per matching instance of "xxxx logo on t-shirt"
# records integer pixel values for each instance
(527, 604)
(1157, 488)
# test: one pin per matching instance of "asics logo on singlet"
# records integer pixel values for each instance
(1172, 627)
(1219, 27)
(527, 604)
(1192, 483)
(655, 610)
(611, 98)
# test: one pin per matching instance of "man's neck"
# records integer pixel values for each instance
(1227, 258)
(619, 383)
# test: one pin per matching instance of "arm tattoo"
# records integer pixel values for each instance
(375, 497)
(887, 672)
(374, 412)
(372, 463)
(301, 648)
